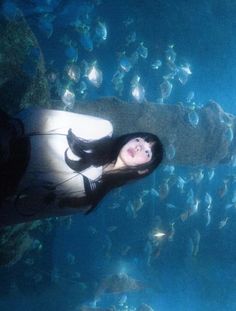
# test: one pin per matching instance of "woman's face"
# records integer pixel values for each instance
(136, 152)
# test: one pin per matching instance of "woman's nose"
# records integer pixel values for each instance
(138, 148)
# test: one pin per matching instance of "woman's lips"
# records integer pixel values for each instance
(131, 152)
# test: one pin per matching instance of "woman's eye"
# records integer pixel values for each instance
(137, 139)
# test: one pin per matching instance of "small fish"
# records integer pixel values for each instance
(94, 75)
(190, 97)
(86, 40)
(223, 222)
(125, 63)
(92, 230)
(170, 152)
(194, 207)
(159, 235)
(112, 228)
(208, 199)
(193, 118)
(156, 65)
(131, 38)
(208, 216)
(71, 53)
(114, 206)
(170, 206)
(154, 192)
(198, 176)
(164, 189)
(138, 93)
(211, 174)
(181, 183)
(229, 134)
(169, 169)
(223, 190)
(142, 51)
(68, 98)
(73, 72)
(183, 73)
(101, 31)
(122, 300)
(170, 54)
(166, 88)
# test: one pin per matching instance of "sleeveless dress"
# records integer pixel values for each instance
(47, 178)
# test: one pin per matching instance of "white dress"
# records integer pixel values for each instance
(47, 167)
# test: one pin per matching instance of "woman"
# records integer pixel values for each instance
(60, 162)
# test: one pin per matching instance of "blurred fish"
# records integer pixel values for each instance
(45, 24)
(68, 98)
(170, 54)
(170, 206)
(156, 65)
(73, 72)
(164, 189)
(71, 53)
(122, 300)
(193, 118)
(211, 174)
(118, 283)
(131, 38)
(229, 134)
(194, 207)
(198, 176)
(170, 152)
(190, 97)
(181, 183)
(9, 10)
(207, 216)
(142, 50)
(29, 261)
(134, 58)
(86, 40)
(196, 237)
(125, 250)
(223, 190)
(112, 228)
(128, 21)
(114, 205)
(184, 215)
(183, 73)
(208, 199)
(125, 63)
(94, 75)
(138, 93)
(223, 222)
(171, 232)
(190, 196)
(92, 230)
(169, 169)
(154, 192)
(70, 258)
(101, 31)
(82, 88)
(166, 88)
(117, 81)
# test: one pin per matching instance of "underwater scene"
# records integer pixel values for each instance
(163, 242)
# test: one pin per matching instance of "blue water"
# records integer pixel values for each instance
(78, 252)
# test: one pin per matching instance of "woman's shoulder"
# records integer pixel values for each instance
(87, 126)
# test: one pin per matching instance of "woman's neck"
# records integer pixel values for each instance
(119, 164)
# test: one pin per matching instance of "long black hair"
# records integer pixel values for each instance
(104, 152)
